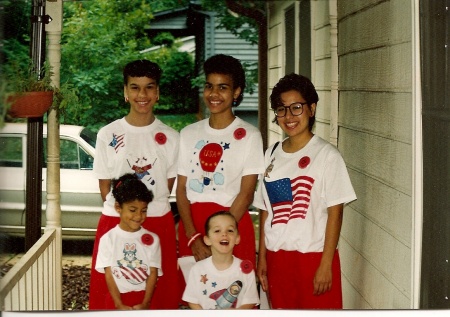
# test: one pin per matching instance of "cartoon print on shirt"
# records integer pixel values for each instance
(210, 157)
(141, 170)
(269, 169)
(227, 298)
(117, 142)
(130, 267)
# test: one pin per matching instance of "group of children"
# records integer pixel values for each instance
(300, 186)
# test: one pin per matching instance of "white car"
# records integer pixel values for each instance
(81, 203)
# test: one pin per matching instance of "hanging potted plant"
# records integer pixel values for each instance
(32, 94)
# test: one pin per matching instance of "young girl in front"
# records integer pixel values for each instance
(221, 281)
(129, 255)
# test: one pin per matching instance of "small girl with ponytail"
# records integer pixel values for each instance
(130, 255)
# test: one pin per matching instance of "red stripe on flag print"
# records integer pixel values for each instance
(301, 192)
(139, 274)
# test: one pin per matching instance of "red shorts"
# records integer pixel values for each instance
(167, 284)
(290, 275)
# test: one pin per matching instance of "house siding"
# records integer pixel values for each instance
(375, 113)
(374, 136)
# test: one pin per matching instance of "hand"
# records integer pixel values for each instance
(123, 307)
(322, 280)
(261, 272)
(140, 306)
(200, 250)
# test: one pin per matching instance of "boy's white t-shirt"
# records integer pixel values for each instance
(150, 152)
(130, 256)
(214, 160)
(301, 186)
(214, 289)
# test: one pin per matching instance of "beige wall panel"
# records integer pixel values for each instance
(351, 298)
(321, 77)
(273, 137)
(386, 253)
(382, 159)
(384, 114)
(275, 35)
(386, 24)
(383, 205)
(369, 282)
(320, 10)
(322, 129)
(322, 43)
(347, 7)
(274, 59)
(323, 106)
(383, 69)
(275, 73)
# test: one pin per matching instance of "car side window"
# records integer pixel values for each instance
(86, 160)
(11, 151)
(72, 156)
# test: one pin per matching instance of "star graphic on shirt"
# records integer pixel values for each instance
(204, 279)
(226, 146)
(214, 284)
(204, 292)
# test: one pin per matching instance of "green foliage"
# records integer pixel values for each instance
(178, 122)
(235, 23)
(177, 95)
(99, 38)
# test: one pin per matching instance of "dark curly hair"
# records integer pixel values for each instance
(227, 65)
(299, 83)
(129, 188)
(142, 68)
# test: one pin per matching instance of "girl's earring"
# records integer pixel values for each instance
(234, 102)
(126, 99)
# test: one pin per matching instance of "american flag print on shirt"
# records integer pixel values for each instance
(289, 198)
(117, 141)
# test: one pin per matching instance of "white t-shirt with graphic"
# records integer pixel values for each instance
(296, 190)
(150, 152)
(214, 160)
(214, 289)
(130, 256)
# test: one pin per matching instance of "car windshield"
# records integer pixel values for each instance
(89, 136)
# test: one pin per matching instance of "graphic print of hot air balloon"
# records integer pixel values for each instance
(210, 156)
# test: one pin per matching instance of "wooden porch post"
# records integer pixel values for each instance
(54, 9)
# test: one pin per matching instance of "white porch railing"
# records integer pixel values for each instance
(31, 284)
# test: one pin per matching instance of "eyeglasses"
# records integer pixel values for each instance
(296, 109)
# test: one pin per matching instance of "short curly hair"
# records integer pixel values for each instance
(142, 68)
(299, 83)
(227, 65)
(129, 188)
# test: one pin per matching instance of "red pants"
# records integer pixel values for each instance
(129, 299)
(290, 275)
(167, 285)
(246, 250)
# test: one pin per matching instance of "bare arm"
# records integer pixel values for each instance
(105, 187)
(323, 276)
(245, 197)
(194, 306)
(114, 290)
(261, 270)
(149, 289)
(199, 249)
(170, 182)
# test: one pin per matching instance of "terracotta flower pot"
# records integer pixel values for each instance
(30, 104)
